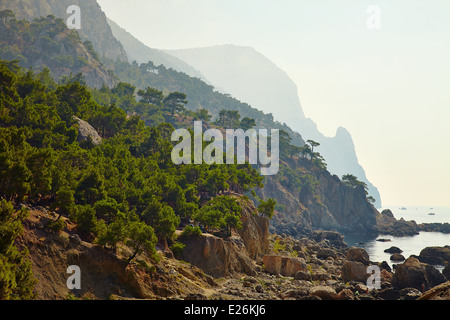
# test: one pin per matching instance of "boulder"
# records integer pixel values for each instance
(354, 270)
(415, 274)
(87, 133)
(324, 253)
(393, 250)
(358, 254)
(384, 265)
(440, 292)
(324, 292)
(345, 294)
(446, 271)
(440, 254)
(397, 257)
(284, 265)
(334, 238)
(303, 275)
(218, 257)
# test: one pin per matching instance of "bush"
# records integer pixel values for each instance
(177, 247)
(191, 231)
(56, 225)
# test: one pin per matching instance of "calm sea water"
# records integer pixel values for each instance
(409, 245)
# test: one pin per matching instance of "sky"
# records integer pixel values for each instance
(384, 75)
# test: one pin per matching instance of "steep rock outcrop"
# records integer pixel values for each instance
(330, 205)
(219, 256)
(388, 224)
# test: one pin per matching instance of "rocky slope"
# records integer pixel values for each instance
(320, 267)
(94, 26)
(47, 42)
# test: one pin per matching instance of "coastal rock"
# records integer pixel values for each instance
(435, 227)
(358, 254)
(415, 274)
(387, 224)
(440, 292)
(393, 250)
(441, 254)
(345, 294)
(354, 270)
(386, 275)
(334, 238)
(446, 271)
(384, 265)
(284, 265)
(303, 275)
(324, 292)
(325, 253)
(397, 257)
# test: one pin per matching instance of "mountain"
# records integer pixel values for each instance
(139, 52)
(249, 76)
(94, 27)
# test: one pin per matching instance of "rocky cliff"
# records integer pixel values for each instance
(323, 201)
(237, 254)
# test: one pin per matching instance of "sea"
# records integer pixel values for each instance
(410, 245)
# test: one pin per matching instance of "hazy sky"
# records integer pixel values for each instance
(389, 87)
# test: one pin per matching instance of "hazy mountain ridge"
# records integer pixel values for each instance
(249, 76)
(141, 53)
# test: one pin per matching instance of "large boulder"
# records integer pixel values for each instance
(393, 250)
(86, 132)
(436, 255)
(415, 274)
(323, 292)
(284, 265)
(358, 254)
(216, 256)
(354, 270)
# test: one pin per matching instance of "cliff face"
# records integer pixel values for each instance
(220, 257)
(328, 205)
(94, 26)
